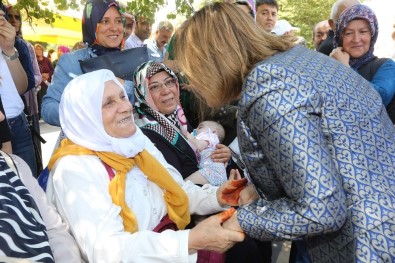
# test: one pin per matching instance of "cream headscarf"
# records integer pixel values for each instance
(81, 119)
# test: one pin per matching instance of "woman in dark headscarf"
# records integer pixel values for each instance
(102, 31)
(356, 34)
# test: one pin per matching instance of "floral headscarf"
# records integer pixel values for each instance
(93, 12)
(169, 126)
(353, 13)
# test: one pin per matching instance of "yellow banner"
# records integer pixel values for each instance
(64, 31)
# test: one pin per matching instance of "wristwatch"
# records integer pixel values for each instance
(13, 57)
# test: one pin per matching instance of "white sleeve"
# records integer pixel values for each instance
(79, 187)
(202, 200)
(63, 245)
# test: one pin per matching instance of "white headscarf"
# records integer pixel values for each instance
(80, 113)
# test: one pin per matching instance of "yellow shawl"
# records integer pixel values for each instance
(175, 198)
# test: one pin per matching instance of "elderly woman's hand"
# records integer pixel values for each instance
(210, 235)
(229, 192)
(232, 223)
(222, 154)
(341, 56)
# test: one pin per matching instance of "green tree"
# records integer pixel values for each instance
(148, 8)
(48, 10)
(305, 14)
(42, 9)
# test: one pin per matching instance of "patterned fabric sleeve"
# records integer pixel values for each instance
(284, 123)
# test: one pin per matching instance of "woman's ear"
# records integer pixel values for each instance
(1, 116)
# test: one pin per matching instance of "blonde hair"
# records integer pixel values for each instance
(218, 46)
(38, 46)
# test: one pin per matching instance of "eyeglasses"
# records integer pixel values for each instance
(156, 87)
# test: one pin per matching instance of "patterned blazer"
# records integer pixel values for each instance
(320, 149)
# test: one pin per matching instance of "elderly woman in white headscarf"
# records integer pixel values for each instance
(115, 190)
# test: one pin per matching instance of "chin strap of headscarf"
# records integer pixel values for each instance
(174, 196)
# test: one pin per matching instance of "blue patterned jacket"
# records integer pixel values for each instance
(320, 149)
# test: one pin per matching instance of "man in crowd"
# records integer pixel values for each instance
(129, 24)
(320, 32)
(338, 7)
(157, 46)
(141, 32)
(266, 14)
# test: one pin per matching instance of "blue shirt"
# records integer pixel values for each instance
(154, 53)
(384, 81)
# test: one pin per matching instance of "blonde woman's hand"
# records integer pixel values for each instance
(222, 154)
(248, 195)
(229, 192)
(340, 56)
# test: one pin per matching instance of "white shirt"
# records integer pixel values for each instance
(12, 102)
(78, 186)
(133, 41)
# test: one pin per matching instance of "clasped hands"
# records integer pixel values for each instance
(235, 192)
(221, 231)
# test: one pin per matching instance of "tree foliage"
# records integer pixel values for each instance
(148, 8)
(43, 9)
(300, 13)
(305, 14)
(48, 10)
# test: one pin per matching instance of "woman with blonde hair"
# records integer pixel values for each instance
(223, 67)
(314, 135)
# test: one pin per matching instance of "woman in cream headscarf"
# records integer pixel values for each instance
(113, 217)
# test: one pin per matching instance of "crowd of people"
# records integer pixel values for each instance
(229, 135)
